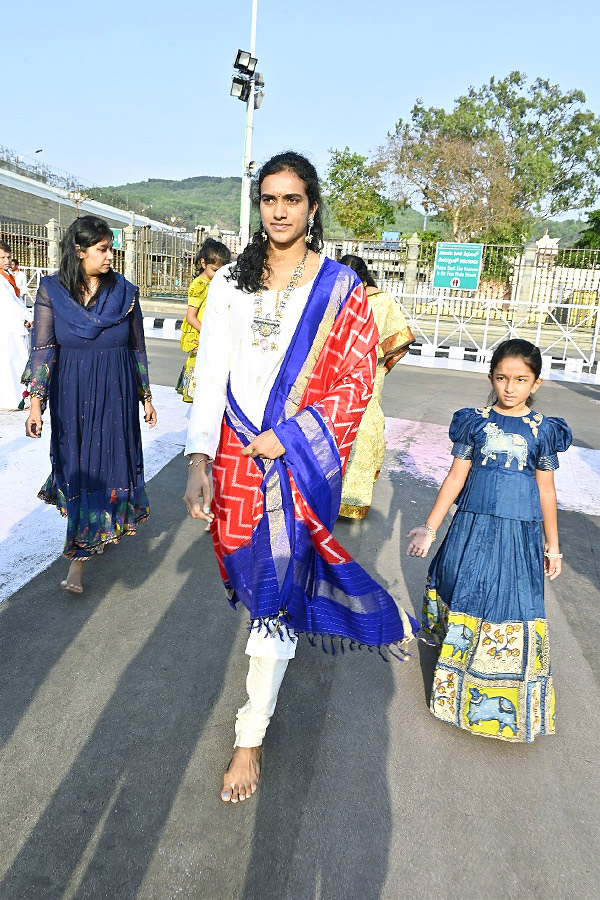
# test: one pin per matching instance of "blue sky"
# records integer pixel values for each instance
(126, 91)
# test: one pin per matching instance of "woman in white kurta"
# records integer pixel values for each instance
(286, 362)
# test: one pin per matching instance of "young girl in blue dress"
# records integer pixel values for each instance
(485, 589)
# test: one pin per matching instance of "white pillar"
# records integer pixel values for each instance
(130, 254)
(53, 232)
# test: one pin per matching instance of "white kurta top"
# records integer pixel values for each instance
(13, 345)
(226, 351)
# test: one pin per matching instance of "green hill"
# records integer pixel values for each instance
(202, 200)
(209, 200)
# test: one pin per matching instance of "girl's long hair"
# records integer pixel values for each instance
(84, 232)
(251, 266)
(519, 349)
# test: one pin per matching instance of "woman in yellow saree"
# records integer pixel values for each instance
(366, 457)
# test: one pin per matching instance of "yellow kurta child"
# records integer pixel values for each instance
(209, 259)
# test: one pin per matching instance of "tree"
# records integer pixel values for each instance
(467, 182)
(354, 191)
(590, 237)
(533, 139)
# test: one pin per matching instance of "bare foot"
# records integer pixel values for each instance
(241, 777)
(72, 582)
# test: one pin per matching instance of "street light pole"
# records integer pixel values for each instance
(77, 197)
(246, 179)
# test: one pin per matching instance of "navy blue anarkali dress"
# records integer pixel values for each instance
(485, 591)
(90, 365)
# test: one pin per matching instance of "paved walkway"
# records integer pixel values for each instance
(117, 706)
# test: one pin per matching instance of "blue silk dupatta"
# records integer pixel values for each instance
(273, 519)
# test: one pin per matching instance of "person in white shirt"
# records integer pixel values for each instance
(15, 322)
(286, 361)
(20, 280)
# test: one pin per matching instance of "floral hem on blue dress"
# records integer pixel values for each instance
(93, 524)
(491, 678)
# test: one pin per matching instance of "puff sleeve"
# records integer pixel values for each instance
(461, 434)
(555, 437)
(197, 294)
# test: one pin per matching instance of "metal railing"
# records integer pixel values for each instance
(28, 243)
(164, 262)
(548, 296)
(34, 275)
(473, 329)
(31, 167)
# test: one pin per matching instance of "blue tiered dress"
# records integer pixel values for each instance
(485, 590)
(90, 364)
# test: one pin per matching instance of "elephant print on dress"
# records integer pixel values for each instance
(498, 441)
(459, 638)
(487, 709)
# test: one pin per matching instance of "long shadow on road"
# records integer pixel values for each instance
(41, 621)
(324, 818)
(99, 831)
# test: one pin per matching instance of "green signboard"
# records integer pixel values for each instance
(457, 266)
(117, 238)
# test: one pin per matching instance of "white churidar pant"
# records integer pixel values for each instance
(269, 657)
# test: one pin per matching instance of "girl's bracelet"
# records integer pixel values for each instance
(552, 555)
(431, 531)
(197, 462)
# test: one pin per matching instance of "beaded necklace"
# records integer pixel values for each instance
(264, 328)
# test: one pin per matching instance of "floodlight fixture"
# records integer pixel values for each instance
(259, 80)
(240, 88)
(244, 62)
(258, 99)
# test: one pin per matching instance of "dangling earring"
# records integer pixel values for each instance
(263, 233)
(311, 222)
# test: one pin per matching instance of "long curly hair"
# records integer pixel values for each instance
(251, 265)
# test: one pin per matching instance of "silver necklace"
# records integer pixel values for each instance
(264, 328)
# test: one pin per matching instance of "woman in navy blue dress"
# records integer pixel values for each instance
(88, 360)
(485, 590)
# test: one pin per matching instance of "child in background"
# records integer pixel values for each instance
(485, 589)
(209, 259)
